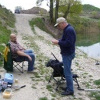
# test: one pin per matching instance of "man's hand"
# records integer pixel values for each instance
(55, 41)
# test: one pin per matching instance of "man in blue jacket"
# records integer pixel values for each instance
(67, 47)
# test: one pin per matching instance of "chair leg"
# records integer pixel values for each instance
(18, 68)
(18, 64)
(59, 82)
(52, 77)
(22, 66)
(75, 79)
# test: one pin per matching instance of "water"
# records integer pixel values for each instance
(92, 51)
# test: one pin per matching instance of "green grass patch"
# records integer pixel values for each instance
(4, 34)
(87, 39)
(97, 82)
(52, 99)
(7, 17)
(7, 20)
(39, 23)
(4, 38)
(49, 87)
(53, 95)
(47, 78)
(36, 75)
(95, 95)
(43, 98)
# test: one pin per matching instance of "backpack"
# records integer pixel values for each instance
(8, 62)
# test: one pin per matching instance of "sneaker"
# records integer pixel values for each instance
(66, 93)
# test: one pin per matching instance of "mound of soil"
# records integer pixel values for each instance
(34, 10)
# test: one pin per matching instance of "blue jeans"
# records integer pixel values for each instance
(30, 63)
(67, 61)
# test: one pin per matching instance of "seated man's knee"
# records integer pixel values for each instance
(32, 56)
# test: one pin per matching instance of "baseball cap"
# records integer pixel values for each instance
(60, 20)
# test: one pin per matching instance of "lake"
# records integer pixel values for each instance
(92, 51)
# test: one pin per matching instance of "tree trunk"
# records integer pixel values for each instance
(67, 11)
(56, 9)
(51, 11)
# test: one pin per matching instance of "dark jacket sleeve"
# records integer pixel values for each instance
(68, 38)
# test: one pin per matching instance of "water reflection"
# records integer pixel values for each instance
(92, 51)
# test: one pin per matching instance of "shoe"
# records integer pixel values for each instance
(66, 93)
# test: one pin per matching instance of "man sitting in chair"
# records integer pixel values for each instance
(21, 54)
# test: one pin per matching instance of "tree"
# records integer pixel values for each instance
(64, 7)
(50, 4)
(51, 11)
(38, 2)
(56, 9)
(70, 7)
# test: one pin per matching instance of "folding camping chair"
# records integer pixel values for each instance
(18, 65)
(57, 67)
(9, 62)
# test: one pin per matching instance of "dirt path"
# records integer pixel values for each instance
(37, 83)
(22, 26)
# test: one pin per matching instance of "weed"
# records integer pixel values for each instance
(97, 82)
(53, 95)
(47, 78)
(43, 98)
(95, 95)
(49, 87)
(52, 99)
(36, 75)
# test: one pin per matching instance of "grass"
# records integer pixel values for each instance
(97, 82)
(7, 17)
(52, 99)
(36, 75)
(86, 40)
(95, 95)
(49, 87)
(39, 23)
(43, 98)
(4, 34)
(7, 21)
(53, 95)
(47, 78)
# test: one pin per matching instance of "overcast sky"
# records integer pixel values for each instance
(27, 4)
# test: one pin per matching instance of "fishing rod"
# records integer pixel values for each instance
(54, 56)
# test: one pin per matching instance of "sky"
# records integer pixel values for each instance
(27, 4)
